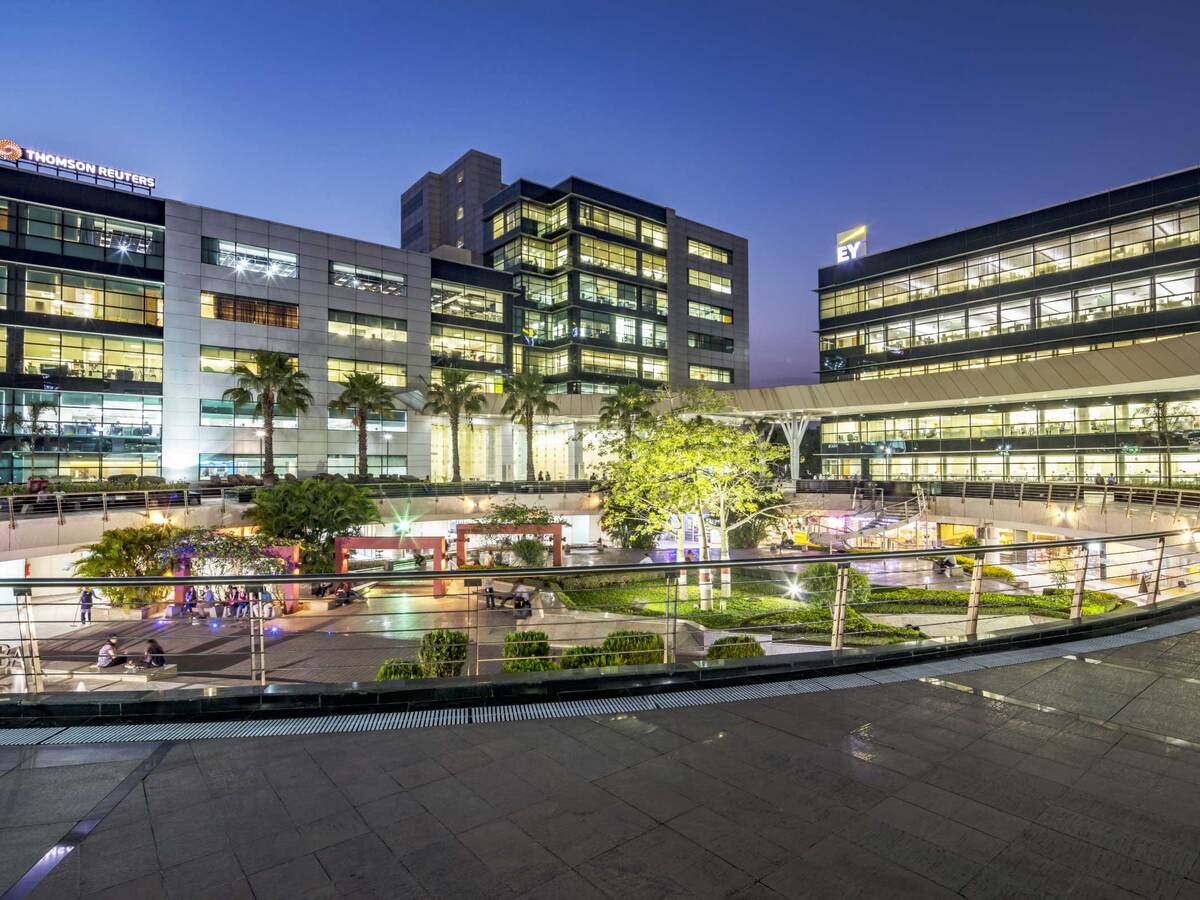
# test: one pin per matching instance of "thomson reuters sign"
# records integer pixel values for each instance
(11, 151)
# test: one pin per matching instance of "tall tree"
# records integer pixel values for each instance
(527, 396)
(628, 410)
(37, 410)
(271, 383)
(367, 395)
(1159, 418)
(454, 396)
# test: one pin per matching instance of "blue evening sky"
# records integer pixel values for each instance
(784, 122)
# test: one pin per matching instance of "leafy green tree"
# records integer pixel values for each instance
(1158, 417)
(443, 653)
(530, 552)
(819, 583)
(514, 512)
(214, 552)
(454, 396)
(312, 513)
(129, 552)
(629, 410)
(527, 396)
(366, 395)
(270, 382)
(14, 420)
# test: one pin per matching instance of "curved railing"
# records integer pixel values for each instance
(784, 613)
(60, 504)
(1077, 494)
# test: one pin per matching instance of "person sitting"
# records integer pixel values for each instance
(154, 657)
(267, 602)
(343, 593)
(108, 656)
(489, 593)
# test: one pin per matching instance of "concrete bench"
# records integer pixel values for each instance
(119, 673)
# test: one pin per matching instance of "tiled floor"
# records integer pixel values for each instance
(1054, 778)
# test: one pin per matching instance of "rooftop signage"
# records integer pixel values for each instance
(11, 151)
(852, 244)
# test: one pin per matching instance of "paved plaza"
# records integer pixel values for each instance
(1059, 778)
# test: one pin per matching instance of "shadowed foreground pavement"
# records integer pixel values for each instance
(911, 789)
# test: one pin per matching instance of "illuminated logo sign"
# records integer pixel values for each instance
(852, 244)
(14, 152)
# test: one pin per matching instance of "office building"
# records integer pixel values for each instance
(124, 315)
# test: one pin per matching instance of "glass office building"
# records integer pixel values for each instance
(1104, 271)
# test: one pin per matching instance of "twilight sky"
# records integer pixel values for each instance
(784, 122)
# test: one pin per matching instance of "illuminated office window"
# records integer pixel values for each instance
(249, 310)
(223, 360)
(391, 374)
(717, 283)
(710, 373)
(362, 278)
(366, 326)
(698, 310)
(249, 259)
(708, 251)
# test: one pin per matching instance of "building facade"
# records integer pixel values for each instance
(610, 288)
(1105, 272)
(125, 314)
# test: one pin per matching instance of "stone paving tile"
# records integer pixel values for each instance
(906, 789)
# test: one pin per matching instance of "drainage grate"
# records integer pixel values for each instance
(25, 737)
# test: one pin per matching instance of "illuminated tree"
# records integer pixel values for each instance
(527, 396)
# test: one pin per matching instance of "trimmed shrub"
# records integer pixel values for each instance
(399, 670)
(443, 653)
(527, 651)
(989, 571)
(585, 656)
(738, 646)
(529, 552)
(633, 648)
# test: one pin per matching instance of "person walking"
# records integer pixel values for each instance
(86, 599)
(189, 600)
(489, 593)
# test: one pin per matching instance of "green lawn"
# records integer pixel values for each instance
(1055, 605)
(757, 601)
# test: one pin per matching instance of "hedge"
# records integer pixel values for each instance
(443, 653)
(633, 648)
(738, 646)
(585, 656)
(968, 563)
(1057, 603)
(527, 651)
(399, 670)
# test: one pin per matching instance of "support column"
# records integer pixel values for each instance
(793, 428)
(1081, 565)
(972, 623)
(841, 593)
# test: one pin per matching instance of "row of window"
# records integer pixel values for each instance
(63, 354)
(466, 301)
(718, 284)
(393, 375)
(979, 362)
(223, 360)
(249, 311)
(708, 251)
(1163, 292)
(546, 220)
(621, 329)
(249, 258)
(601, 219)
(1179, 416)
(225, 413)
(717, 343)
(363, 278)
(86, 414)
(455, 342)
(1088, 247)
(710, 313)
(544, 256)
(366, 326)
(67, 232)
(1142, 465)
(710, 373)
(222, 464)
(90, 297)
(603, 362)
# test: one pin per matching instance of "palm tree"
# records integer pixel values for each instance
(271, 383)
(527, 396)
(454, 396)
(628, 409)
(367, 395)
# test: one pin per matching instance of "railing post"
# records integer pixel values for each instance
(1154, 505)
(12, 517)
(1078, 496)
(103, 506)
(992, 495)
(58, 505)
(1178, 502)
(1081, 566)
(1158, 564)
(841, 592)
(973, 596)
(1104, 499)
(1021, 495)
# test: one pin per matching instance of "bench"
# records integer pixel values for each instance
(119, 673)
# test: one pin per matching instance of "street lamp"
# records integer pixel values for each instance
(261, 434)
(387, 454)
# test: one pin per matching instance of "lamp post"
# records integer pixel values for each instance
(261, 434)
(387, 454)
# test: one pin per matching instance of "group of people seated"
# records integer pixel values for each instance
(343, 591)
(110, 656)
(232, 602)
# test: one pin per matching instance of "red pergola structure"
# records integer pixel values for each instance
(465, 530)
(434, 545)
(289, 554)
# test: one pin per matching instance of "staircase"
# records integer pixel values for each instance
(884, 516)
